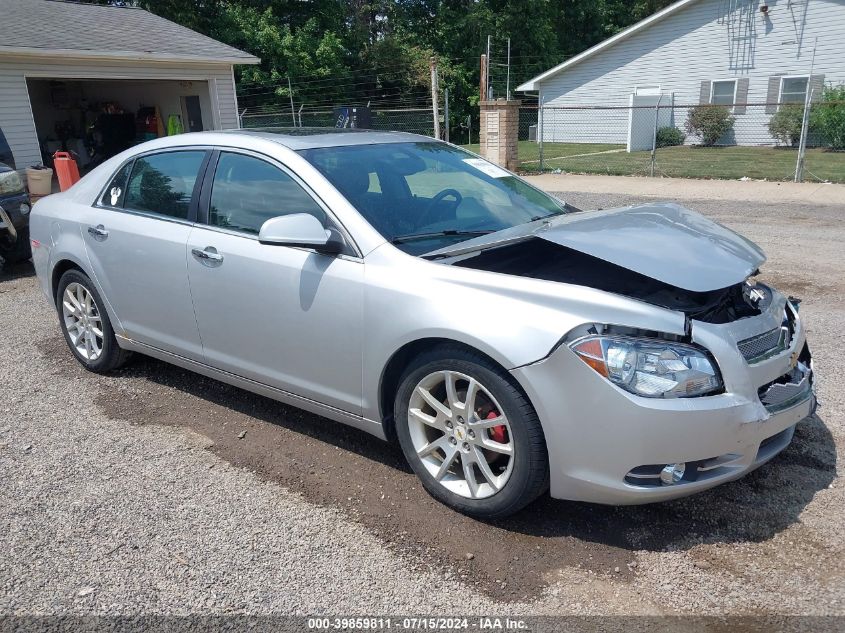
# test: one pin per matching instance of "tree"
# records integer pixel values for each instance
(827, 118)
(377, 50)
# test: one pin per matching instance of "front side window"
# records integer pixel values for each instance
(723, 92)
(425, 195)
(248, 191)
(163, 183)
(793, 90)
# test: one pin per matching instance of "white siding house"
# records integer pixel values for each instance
(63, 64)
(733, 52)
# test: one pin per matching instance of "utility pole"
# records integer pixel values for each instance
(487, 72)
(446, 116)
(654, 135)
(508, 88)
(482, 85)
(434, 91)
(290, 93)
(540, 129)
(805, 120)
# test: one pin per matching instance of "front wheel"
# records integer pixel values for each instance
(16, 251)
(86, 324)
(470, 434)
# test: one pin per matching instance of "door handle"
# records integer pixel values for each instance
(99, 232)
(209, 254)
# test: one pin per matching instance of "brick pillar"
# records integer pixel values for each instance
(499, 132)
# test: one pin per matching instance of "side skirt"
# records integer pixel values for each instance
(338, 415)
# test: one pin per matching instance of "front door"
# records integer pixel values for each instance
(136, 241)
(286, 317)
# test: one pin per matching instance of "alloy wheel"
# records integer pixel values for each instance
(82, 321)
(461, 434)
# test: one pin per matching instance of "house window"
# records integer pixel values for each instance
(723, 92)
(793, 89)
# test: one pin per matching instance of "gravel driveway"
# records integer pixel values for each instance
(156, 490)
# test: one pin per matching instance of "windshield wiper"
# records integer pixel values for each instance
(417, 237)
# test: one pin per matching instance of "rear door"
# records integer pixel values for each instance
(136, 241)
(286, 317)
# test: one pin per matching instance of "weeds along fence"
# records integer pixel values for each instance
(416, 120)
(759, 141)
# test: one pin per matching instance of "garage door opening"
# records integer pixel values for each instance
(96, 119)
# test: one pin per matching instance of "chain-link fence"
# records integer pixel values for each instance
(758, 141)
(416, 120)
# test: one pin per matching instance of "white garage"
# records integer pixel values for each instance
(95, 80)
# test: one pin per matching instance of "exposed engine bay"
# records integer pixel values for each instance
(541, 259)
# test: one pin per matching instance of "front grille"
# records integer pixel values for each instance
(788, 390)
(762, 346)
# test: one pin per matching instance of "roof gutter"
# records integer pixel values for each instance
(65, 54)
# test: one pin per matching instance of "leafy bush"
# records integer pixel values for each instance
(710, 123)
(669, 136)
(785, 124)
(827, 118)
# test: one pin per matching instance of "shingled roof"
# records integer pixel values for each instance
(76, 30)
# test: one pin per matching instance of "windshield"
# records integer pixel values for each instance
(428, 195)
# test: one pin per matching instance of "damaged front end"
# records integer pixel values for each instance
(540, 259)
(669, 412)
(662, 254)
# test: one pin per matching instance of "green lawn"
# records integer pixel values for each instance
(683, 162)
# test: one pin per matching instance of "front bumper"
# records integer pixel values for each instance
(14, 214)
(598, 435)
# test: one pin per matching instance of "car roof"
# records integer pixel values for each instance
(309, 138)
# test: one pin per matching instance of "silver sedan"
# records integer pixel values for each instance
(510, 343)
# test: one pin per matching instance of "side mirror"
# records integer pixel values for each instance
(300, 229)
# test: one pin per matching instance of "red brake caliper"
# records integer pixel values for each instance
(497, 433)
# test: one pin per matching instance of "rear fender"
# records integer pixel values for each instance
(67, 244)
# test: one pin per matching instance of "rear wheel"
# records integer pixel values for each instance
(470, 434)
(85, 324)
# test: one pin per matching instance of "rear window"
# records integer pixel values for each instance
(164, 183)
(115, 192)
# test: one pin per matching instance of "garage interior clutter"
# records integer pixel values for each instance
(94, 120)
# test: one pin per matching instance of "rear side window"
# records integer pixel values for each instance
(163, 183)
(248, 191)
(115, 192)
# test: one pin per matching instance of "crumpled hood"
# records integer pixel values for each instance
(663, 241)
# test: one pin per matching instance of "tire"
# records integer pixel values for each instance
(510, 481)
(109, 355)
(17, 251)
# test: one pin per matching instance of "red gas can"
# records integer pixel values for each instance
(66, 170)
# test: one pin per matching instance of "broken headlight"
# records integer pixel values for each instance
(650, 367)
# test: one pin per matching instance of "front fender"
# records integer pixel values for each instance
(513, 320)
